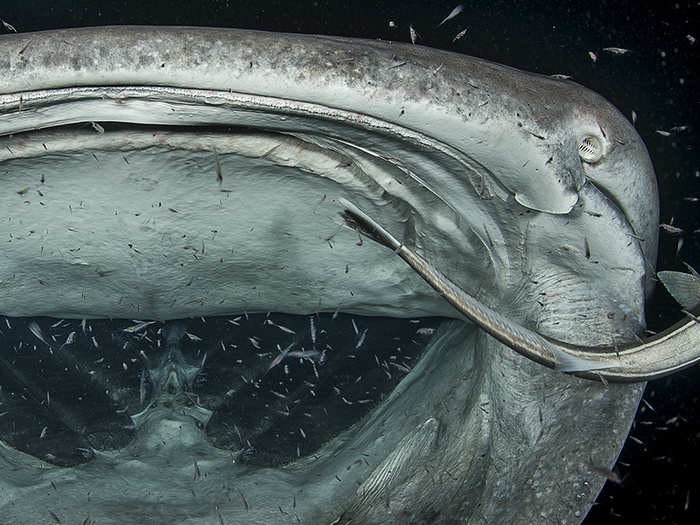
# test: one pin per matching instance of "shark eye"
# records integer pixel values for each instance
(590, 149)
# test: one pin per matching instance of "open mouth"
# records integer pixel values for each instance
(294, 368)
(270, 388)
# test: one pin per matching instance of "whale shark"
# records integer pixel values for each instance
(164, 174)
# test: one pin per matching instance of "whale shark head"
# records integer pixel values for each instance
(175, 173)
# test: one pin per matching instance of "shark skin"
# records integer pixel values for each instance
(163, 173)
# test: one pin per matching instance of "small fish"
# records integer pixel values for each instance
(634, 117)
(283, 328)
(361, 340)
(617, 50)
(459, 35)
(12, 29)
(683, 287)
(94, 342)
(69, 340)
(354, 325)
(690, 38)
(457, 10)
(413, 33)
(193, 337)
(97, 127)
(140, 325)
(36, 330)
(593, 56)
(610, 474)
(254, 342)
(427, 332)
(671, 229)
(636, 440)
(277, 360)
(663, 133)
(401, 367)
(303, 354)
(312, 326)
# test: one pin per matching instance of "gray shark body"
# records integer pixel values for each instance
(209, 183)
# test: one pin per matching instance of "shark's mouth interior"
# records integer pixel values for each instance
(270, 388)
(215, 210)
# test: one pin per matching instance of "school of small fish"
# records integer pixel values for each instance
(141, 338)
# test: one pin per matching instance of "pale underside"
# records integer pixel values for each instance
(135, 222)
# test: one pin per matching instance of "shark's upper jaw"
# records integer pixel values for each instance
(195, 205)
(230, 200)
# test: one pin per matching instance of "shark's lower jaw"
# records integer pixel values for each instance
(163, 203)
(466, 407)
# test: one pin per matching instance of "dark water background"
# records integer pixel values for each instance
(658, 80)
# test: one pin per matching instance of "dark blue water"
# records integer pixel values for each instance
(658, 81)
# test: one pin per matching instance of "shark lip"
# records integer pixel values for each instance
(168, 202)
